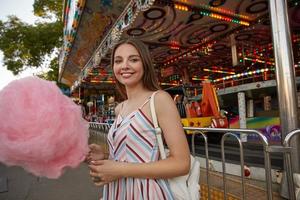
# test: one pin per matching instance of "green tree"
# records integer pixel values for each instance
(32, 45)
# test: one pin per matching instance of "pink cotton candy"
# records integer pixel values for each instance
(41, 129)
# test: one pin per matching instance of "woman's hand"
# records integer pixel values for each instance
(96, 153)
(104, 171)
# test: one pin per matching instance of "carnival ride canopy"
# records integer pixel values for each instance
(86, 23)
(190, 41)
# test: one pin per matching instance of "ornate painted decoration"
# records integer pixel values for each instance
(188, 36)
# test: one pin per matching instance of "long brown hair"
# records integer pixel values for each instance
(149, 78)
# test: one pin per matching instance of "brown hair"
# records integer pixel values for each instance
(149, 77)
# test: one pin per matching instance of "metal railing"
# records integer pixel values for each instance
(206, 156)
(98, 134)
(288, 162)
(99, 131)
(234, 133)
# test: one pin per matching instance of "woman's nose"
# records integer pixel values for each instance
(125, 65)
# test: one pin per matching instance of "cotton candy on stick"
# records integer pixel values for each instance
(41, 129)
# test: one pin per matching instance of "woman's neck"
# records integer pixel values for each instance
(136, 92)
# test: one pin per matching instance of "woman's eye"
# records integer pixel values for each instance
(118, 61)
(134, 60)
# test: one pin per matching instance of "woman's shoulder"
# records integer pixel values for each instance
(163, 97)
(162, 94)
(164, 102)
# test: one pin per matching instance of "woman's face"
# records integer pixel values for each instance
(128, 67)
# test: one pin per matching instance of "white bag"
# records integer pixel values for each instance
(183, 187)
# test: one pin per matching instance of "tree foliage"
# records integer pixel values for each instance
(46, 8)
(32, 45)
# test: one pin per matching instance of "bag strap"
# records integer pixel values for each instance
(158, 133)
(157, 129)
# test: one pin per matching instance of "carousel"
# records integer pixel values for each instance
(190, 41)
(226, 42)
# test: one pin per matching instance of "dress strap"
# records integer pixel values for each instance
(147, 100)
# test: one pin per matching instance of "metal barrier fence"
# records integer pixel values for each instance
(288, 162)
(286, 149)
(99, 131)
(233, 133)
(98, 134)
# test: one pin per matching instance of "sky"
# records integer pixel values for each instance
(24, 10)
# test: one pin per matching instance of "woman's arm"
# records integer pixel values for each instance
(176, 164)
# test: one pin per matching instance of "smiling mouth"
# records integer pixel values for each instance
(127, 74)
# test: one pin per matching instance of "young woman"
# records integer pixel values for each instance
(134, 169)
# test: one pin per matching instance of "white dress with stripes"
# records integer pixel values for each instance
(132, 139)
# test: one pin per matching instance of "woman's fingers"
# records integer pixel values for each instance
(97, 179)
(95, 170)
(100, 172)
(97, 162)
(99, 184)
(94, 173)
(96, 152)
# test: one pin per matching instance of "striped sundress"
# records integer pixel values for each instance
(132, 139)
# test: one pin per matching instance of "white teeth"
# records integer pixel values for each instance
(126, 74)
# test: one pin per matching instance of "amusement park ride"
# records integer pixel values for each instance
(209, 115)
(190, 41)
(227, 42)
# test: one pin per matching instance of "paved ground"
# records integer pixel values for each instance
(75, 184)
(254, 190)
